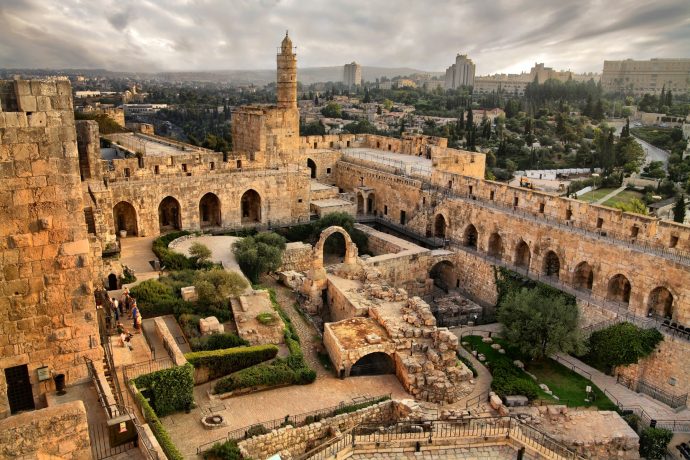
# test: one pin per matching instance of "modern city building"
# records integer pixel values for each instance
(461, 73)
(640, 77)
(352, 74)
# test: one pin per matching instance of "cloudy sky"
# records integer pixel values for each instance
(499, 35)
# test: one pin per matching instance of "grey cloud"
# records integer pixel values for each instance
(151, 35)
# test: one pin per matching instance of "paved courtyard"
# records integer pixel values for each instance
(457, 453)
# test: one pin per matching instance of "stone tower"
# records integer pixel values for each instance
(47, 309)
(287, 75)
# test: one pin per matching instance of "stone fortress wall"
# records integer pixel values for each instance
(47, 310)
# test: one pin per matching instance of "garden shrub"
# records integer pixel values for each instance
(172, 389)
(155, 299)
(169, 259)
(266, 318)
(158, 429)
(223, 451)
(259, 254)
(190, 325)
(220, 341)
(256, 430)
(509, 380)
(653, 442)
(278, 372)
(619, 345)
(223, 362)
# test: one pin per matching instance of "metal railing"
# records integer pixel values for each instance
(573, 367)
(642, 386)
(676, 426)
(298, 420)
(477, 400)
(132, 371)
(478, 429)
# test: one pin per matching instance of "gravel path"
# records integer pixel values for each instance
(308, 335)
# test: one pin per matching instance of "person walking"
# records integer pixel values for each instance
(136, 320)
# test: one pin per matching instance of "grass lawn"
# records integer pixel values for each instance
(595, 195)
(568, 385)
(623, 197)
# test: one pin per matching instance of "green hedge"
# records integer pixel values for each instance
(653, 442)
(224, 362)
(172, 389)
(158, 429)
(217, 342)
(281, 371)
(171, 260)
(509, 380)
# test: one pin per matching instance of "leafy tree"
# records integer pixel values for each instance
(539, 324)
(200, 251)
(620, 345)
(598, 112)
(259, 254)
(634, 206)
(679, 209)
(653, 443)
(387, 104)
(217, 285)
(367, 97)
(332, 110)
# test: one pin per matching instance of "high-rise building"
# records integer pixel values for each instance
(352, 74)
(640, 77)
(461, 73)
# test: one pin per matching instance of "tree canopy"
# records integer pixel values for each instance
(217, 285)
(259, 254)
(539, 324)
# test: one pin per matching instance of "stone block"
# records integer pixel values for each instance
(189, 294)
(210, 325)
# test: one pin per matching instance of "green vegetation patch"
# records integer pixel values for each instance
(171, 390)
(220, 363)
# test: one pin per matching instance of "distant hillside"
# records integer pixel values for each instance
(306, 76)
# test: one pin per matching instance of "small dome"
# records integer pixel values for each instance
(286, 45)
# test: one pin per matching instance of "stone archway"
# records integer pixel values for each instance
(552, 265)
(312, 167)
(583, 278)
(209, 211)
(522, 255)
(661, 302)
(440, 226)
(250, 205)
(443, 274)
(350, 247)
(125, 217)
(113, 282)
(169, 214)
(470, 237)
(496, 246)
(619, 289)
(377, 363)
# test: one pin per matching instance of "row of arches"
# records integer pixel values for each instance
(170, 213)
(618, 287)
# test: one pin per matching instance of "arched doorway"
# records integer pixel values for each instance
(470, 237)
(522, 255)
(113, 282)
(209, 211)
(619, 289)
(661, 302)
(125, 217)
(360, 203)
(583, 278)
(251, 206)
(440, 226)
(377, 363)
(371, 203)
(443, 274)
(312, 166)
(496, 246)
(169, 214)
(334, 248)
(552, 265)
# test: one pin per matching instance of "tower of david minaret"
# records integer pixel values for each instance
(287, 75)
